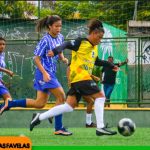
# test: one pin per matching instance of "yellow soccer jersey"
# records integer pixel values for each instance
(83, 61)
(84, 57)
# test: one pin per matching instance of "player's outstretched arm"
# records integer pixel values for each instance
(7, 71)
(123, 63)
(104, 63)
(71, 45)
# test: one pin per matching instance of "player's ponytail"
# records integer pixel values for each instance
(46, 22)
(95, 24)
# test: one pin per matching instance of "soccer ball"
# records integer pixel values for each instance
(126, 127)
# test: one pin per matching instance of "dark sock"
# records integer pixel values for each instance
(17, 103)
(58, 122)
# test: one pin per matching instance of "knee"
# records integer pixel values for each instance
(69, 107)
(61, 98)
(39, 105)
(91, 102)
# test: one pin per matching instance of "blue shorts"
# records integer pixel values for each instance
(3, 89)
(40, 85)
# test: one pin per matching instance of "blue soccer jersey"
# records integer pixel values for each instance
(47, 43)
(2, 63)
(3, 89)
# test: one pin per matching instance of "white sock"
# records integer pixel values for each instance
(57, 110)
(88, 119)
(99, 111)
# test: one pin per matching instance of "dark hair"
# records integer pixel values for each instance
(95, 24)
(45, 22)
(110, 57)
(2, 39)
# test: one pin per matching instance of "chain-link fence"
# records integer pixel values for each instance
(132, 82)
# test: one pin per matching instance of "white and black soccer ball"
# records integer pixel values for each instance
(126, 127)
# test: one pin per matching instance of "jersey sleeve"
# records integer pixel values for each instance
(117, 64)
(103, 63)
(71, 45)
(121, 64)
(40, 48)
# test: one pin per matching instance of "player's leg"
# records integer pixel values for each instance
(60, 98)
(39, 102)
(99, 112)
(6, 97)
(89, 110)
(42, 97)
(90, 89)
(57, 110)
(8, 100)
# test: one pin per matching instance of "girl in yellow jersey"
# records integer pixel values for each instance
(84, 57)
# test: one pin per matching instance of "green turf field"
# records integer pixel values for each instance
(80, 137)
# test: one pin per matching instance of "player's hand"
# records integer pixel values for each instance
(3, 108)
(46, 77)
(95, 78)
(126, 60)
(50, 53)
(116, 68)
(10, 73)
(65, 61)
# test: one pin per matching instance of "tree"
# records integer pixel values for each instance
(116, 13)
(143, 10)
(65, 9)
(43, 12)
(16, 9)
(2, 8)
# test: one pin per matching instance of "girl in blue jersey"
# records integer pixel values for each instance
(3, 89)
(45, 81)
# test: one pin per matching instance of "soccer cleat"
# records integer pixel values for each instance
(92, 125)
(35, 121)
(63, 132)
(50, 120)
(104, 131)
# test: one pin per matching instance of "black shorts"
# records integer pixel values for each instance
(83, 88)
